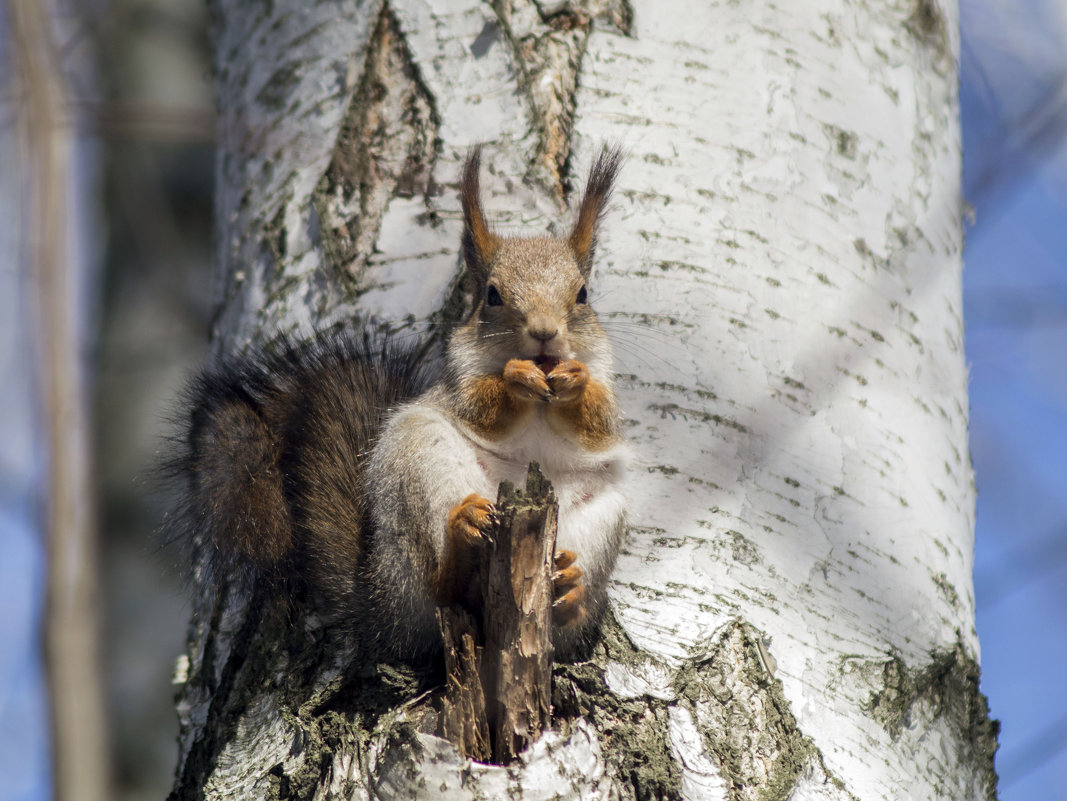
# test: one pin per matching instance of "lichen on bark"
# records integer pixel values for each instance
(633, 731)
(747, 722)
(946, 687)
(288, 701)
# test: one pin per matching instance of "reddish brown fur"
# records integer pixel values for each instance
(273, 463)
(490, 405)
(568, 380)
(569, 608)
(280, 463)
(236, 464)
(569, 605)
(525, 381)
(591, 418)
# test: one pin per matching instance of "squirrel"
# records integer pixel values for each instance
(365, 469)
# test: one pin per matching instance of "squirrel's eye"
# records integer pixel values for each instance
(492, 296)
(583, 296)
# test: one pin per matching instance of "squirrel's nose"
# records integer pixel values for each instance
(542, 328)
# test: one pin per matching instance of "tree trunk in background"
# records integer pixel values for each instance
(53, 175)
(780, 272)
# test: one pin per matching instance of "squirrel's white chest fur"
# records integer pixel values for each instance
(588, 485)
(575, 473)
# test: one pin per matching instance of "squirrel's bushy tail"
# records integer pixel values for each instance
(271, 456)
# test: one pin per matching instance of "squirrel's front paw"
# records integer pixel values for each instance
(568, 607)
(469, 522)
(568, 379)
(525, 380)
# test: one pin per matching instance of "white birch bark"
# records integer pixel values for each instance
(781, 276)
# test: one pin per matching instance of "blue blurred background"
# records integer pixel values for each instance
(151, 159)
(1013, 97)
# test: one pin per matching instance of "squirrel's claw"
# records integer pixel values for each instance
(568, 380)
(568, 607)
(469, 525)
(565, 579)
(565, 559)
(525, 380)
(471, 521)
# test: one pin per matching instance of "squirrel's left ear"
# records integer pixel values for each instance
(594, 203)
(479, 243)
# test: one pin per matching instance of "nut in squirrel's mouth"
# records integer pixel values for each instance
(546, 362)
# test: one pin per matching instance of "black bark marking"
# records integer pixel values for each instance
(489, 34)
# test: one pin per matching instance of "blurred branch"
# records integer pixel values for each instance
(117, 120)
(71, 636)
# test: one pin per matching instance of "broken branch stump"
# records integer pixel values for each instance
(498, 656)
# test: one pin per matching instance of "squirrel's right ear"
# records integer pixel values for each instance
(479, 243)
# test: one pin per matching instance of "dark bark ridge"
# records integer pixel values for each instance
(547, 45)
(386, 147)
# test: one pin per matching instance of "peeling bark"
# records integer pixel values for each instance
(792, 617)
(464, 720)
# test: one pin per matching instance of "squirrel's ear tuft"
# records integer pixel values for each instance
(479, 243)
(594, 203)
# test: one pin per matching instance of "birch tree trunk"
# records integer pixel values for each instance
(793, 612)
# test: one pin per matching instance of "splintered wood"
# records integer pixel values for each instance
(498, 652)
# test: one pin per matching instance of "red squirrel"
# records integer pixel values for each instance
(367, 472)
